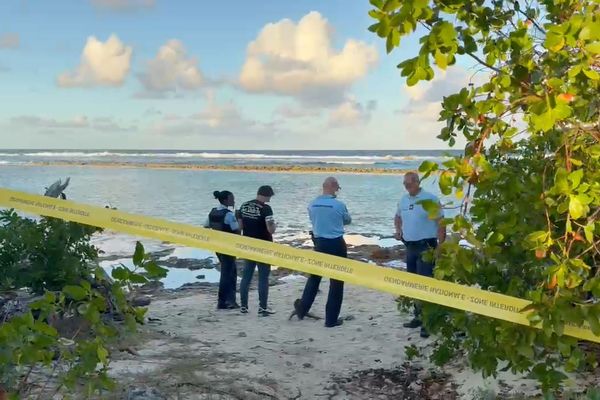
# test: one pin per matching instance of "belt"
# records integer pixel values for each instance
(420, 242)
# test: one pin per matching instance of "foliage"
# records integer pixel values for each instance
(66, 332)
(45, 254)
(529, 177)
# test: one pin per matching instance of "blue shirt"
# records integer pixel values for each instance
(229, 219)
(416, 224)
(328, 216)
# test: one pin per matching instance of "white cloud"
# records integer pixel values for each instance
(299, 60)
(294, 111)
(171, 69)
(351, 113)
(420, 115)
(10, 41)
(102, 64)
(49, 123)
(217, 115)
(75, 124)
(220, 121)
(123, 5)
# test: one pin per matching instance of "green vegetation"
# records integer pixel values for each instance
(65, 333)
(529, 177)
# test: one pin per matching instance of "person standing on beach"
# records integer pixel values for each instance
(419, 234)
(256, 221)
(328, 216)
(221, 218)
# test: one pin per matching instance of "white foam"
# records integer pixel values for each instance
(292, 278)
(331, 158)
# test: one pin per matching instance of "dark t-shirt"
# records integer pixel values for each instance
(253, 214)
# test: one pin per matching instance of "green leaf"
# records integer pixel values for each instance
(377, 3)
(77, 293)
(120, 273)
(590, 73)
(428, 166)
(592, 319)
(593, 48)
(575, 178)
(154, 270)
(441, 60)
(446, 183)
(393, 40)
(102, 354)
(391, 5)
(576, 208)
(589, 232)
(431, 207)
(138, 256)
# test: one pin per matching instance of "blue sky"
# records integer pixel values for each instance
(183, 74)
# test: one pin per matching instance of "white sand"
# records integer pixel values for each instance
(271, 357)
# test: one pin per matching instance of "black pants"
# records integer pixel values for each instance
(263, 282)
(227, 281)
(415, 263)
(336, 247)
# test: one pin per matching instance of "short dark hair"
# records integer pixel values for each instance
(266, 191)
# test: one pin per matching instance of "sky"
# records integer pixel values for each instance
(206, 75)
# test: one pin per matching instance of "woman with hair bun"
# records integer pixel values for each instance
(221, 218)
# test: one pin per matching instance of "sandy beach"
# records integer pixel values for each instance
(193, 351)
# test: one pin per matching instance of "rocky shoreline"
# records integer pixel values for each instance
(212, 167)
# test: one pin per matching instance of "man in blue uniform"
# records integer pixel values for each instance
(419, 233)
(328, 216)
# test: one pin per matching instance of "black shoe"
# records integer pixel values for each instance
(415, 323)
(233, 306)
(297, 310)
(265, 312)
(244, 310)
(337, 323)
(424, 334)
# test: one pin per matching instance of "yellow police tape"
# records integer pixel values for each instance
(389, 280)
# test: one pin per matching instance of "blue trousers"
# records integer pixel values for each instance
(227, 281)
(336, 247)
(263, 282)
(415, 263)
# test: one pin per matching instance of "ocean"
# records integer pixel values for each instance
(185, 195)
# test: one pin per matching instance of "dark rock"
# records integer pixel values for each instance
(307, 365)
(192, 264)
(141, 301)
(201, 277)
(242, 334)
(197, 285)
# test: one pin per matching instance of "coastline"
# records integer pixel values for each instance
(213, 167)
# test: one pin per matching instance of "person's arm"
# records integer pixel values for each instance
(240, 221)
(269, 220)
(346, 215)
(232, 222)
(398, 224)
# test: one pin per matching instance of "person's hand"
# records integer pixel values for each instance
(398, 236)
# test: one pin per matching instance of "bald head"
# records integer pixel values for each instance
(331, 186)
(412, 183)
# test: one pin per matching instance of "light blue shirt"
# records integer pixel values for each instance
(416, 224)
(328, 216)
(229, 219)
